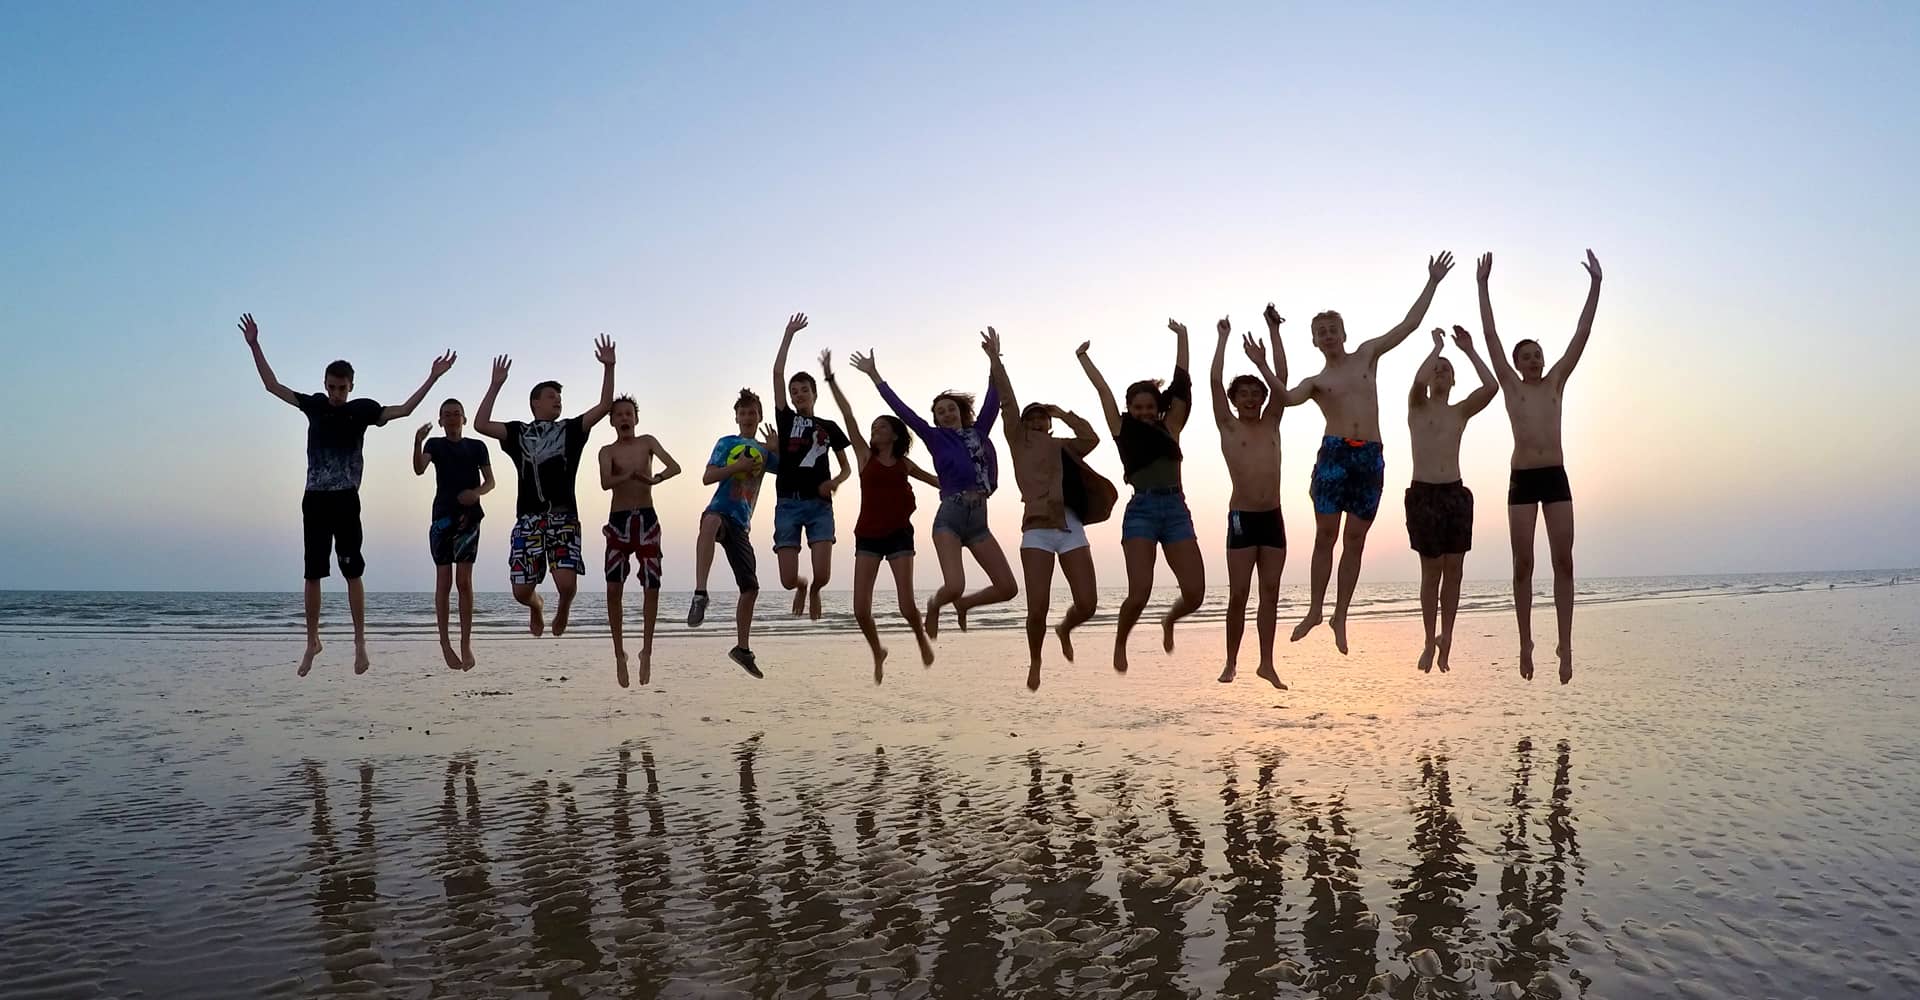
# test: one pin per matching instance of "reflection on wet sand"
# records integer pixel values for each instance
(894, 875)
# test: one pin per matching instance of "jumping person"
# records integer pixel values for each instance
(1534, 394)
(1250, 443)
(969, 471)
(1061, 496)
(330, 509)
(633, 529)
(462, 474)
(735, 469)
(1148, 437)
(1350, 470)
(884, 531)
(1439, 505)
(803, 493)
(546, 452)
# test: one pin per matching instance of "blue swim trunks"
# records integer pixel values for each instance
(1348, 477)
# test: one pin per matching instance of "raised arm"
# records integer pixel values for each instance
(1437, 268)
(1001, 385)
(866, 364)
(483, 421)
(603, 353)
(440, 366)
(419, 452)
(1277, 375)
(1085, 438)
(251, 332)
(1564, 367)
(1107, 404)
(1478, 399)
(668, 467)
(1502, 368)
(1417, 396)
(796, 323)
(1216, 376)
(861, 450)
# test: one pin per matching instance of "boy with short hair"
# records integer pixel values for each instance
(803, 489)
(463, 473)
(633, 529)
(737, 465)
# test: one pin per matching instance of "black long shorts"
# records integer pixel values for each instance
(330, 522)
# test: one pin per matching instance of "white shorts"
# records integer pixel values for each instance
(1055, 540)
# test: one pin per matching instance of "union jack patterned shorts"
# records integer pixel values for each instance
(633, 534)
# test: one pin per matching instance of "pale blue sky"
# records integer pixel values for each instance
(379, 182)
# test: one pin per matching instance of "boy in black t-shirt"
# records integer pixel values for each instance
(462, 475)
(546, 452)
(330, 510)
(803, 492)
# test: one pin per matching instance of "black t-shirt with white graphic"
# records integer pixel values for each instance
(804, 444)
(547, 453)
(334, 436)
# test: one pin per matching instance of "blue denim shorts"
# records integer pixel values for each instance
(1159, 517)
(790, 514)
(963, 515)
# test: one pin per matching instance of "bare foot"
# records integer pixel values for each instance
(933, 618)
(1033, 677)
(813, 604)
(1066, 641)
(1339, 626)
(879, 661)
(1566, 664)
(536, 612)
(1526, 660)
(1119, 658)
(466, 657)
(1227, 675)
(452, 658)
(1446, 647)
(800, 598)
(926, 651)
(1166, 639)
(306, 661)
(620, 668)
(1266, 673)
(1306, 625)
(646, 665)
(360, 660)
(960, 617)
(1426, 656)
(560, 617)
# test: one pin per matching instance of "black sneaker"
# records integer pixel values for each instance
(744, 656)
(697, 611)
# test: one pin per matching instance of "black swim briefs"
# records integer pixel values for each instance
(1439, 518)
(1248, 529)
(1547, 484)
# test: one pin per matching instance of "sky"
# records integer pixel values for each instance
(380, 183)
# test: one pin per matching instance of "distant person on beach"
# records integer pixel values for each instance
(330, 510)
(1250, 443)
(1157, 520)
(1539, 479)
(1350, 471)
(735, 469)
(633, 529)
(884, 530)
(1061, 496)
(546, 451)
(969, 471)
(1439, 505)
(462, 474)
(803, 489)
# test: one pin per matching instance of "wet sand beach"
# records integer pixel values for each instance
(1722, 804)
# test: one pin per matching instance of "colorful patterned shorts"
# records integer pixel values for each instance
(542, 540)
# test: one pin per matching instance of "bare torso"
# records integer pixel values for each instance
(1437, 428)
(1349, 397)
(628, 456)
(1534, 410)
(1252, 451)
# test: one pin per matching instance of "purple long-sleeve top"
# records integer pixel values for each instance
(954, 450)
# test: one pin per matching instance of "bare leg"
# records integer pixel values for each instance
(1078, 569)
(1190, 572)
(1326, 531)
(1559, 518)
(1430, 569)
(442, 593)
(566, 583)
(310, 595)
(1451, 567)
(650, 603)
(822, 572)
(1038, 566)
(1520, 525)
(463, 580)
(1352, 549)
(1272, 561)
(357, 605)
(902, 567)
(743, 618)
(791, 579)
(865, 570)
(1240, 563)
(536, 608)
(953, 578)
(616, 591)
(1141, 554)
(1000, 585)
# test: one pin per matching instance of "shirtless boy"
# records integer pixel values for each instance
(462, 474)
(633, 529)
(1250, 443)
(1439, 505)
(1348, 474)
(330, 510)
(1539, 479)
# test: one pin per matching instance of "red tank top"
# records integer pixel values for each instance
(886, 499)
